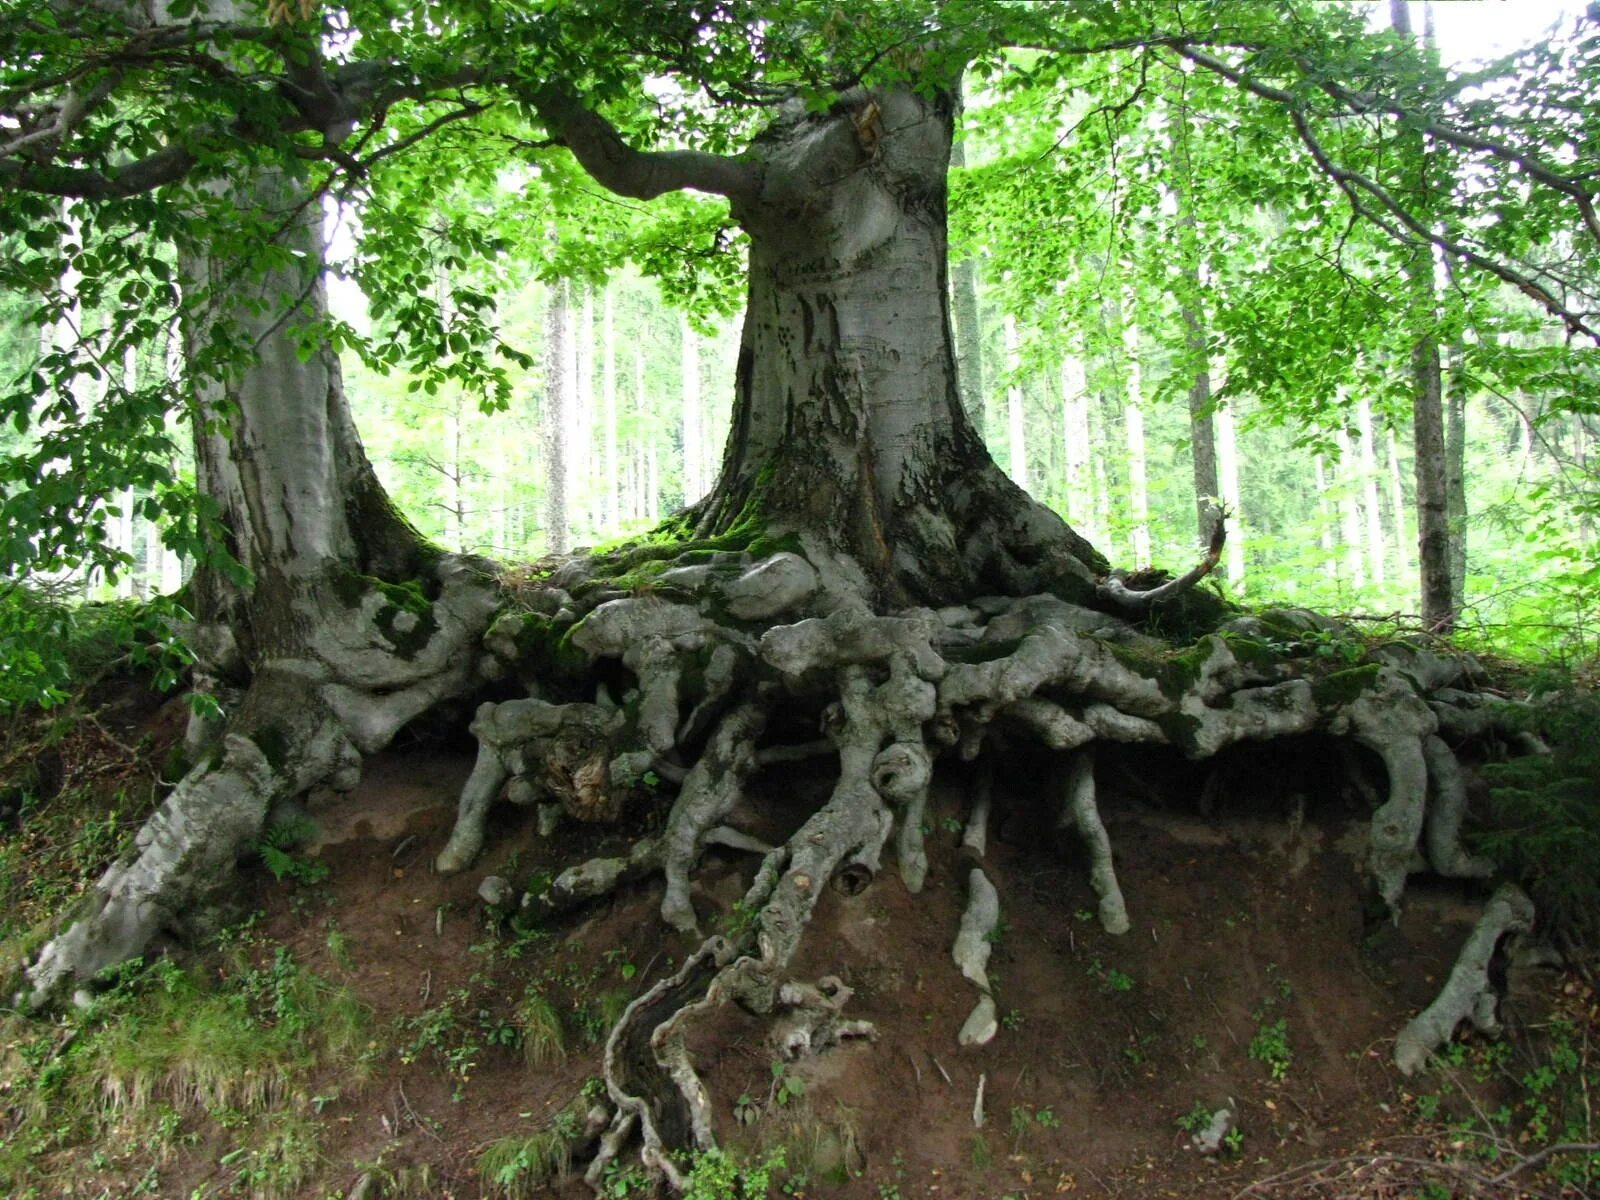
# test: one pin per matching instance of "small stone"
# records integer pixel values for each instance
(1210, 1139)
(549, 819)
(495, 891)
(404, 621)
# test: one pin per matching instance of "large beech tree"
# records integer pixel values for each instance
(860, 562)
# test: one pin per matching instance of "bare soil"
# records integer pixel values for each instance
(1246, 917)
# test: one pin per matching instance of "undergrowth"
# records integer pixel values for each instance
(1543, 824)
(240, 1052)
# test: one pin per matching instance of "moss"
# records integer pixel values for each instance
(1343, 687)
(1174, 674)
(1254, 654)
(545, 650)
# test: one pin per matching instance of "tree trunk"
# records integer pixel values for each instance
(1455, 443)
(1076, 443)
(1439, 602)
(331, 664)
(611, 514)
(1196, 342)
(1016, 412)
(1376, 551)
(847, 425)
(1133, 427)
(694, 480)
(556, 419)
(1232, 495)
(968, 315)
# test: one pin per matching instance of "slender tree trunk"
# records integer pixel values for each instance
(583, 496)
(1439, 603)
(1325, 517)
(1350, 511)
(611, 517)
(1232, 496)
(557, 420)
(1075, 436)
(1133, 418)
(694, 480)
(1397, 507)
(1455, 437)
(1016, 412)
(1197, 352)
(1376, 551)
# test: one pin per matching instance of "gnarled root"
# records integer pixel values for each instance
(971, 954)
(1082, 814)
(303, 723)
(1467, 995)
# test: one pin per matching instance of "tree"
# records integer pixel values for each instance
(860, 560)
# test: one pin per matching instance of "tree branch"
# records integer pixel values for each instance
(640, 174)
(1394, 218)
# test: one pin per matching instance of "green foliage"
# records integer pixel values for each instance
(276, 845)
(1270, 1046)
(521, 1167)
(1543, 825)
(716, 1175)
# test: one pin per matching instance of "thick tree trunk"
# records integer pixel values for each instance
(847, 426)
(332, 660)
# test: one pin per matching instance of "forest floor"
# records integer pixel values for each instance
(1250, 980)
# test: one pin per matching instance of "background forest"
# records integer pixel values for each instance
(1129, 283)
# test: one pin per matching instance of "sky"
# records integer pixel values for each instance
(1474, 30)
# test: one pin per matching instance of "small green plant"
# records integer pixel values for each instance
(539, 1028)
(520, 1167)
(980, 1153)
(1233, 1141)
(1197, 1119)
(745, 1110)
(1109, 978)
(1270, 1045)
(1047, 1118)
(276, 844)
(1012, 1020)
(786, 1087)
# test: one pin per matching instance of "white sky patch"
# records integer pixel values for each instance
(1474, 31)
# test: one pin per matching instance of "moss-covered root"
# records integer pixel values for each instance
(1080, 812)
(1467, 995)
(971, 953)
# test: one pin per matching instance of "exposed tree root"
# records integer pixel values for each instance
(695, 670)
(302, 724)
(1081, 813)
(739, 640)
(1467, 995)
